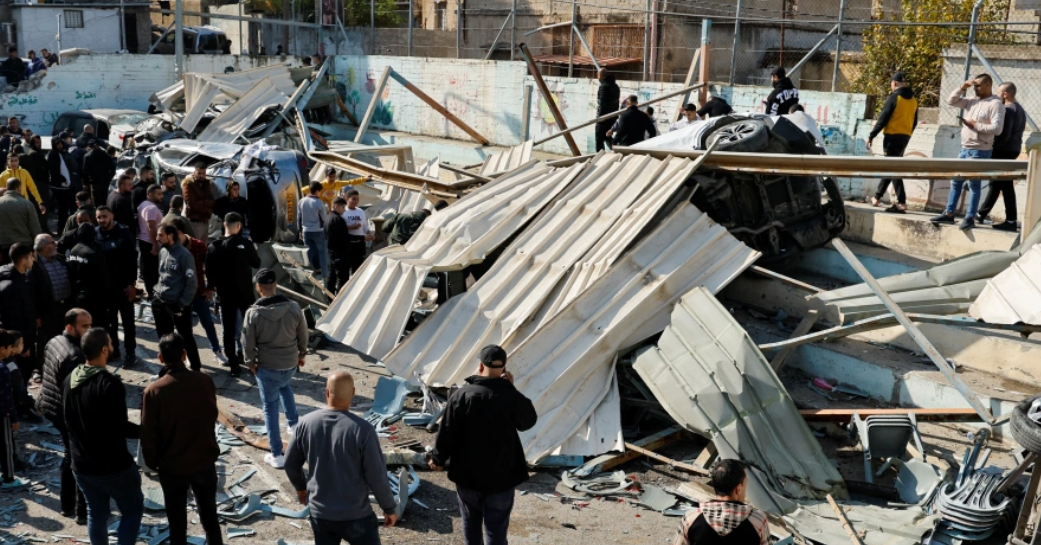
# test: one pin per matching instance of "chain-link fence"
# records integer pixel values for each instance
(656, 40)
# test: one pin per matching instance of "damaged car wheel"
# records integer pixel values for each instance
(1025, 431)
(747, 135)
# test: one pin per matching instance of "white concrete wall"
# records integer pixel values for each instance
(37, 28)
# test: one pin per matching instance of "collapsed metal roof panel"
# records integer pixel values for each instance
(612, 201)
(709, 375)
(237, 119)
(507, 160)
(875, 525)
(370, 313)
(566, 366)
(1014, 295)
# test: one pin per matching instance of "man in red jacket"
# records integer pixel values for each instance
(178, 413)
(198, 202)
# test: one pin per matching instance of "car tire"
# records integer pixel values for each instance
(1025, 431)
(746, 135)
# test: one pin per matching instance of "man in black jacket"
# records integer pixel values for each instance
(120, 250)
(1007, 145)
(479, 437)
(88, 273)
(633, 126)
(61, 355)
(13, 67)
(229, 268)
(64, 180)
(97, 172)
(139, 191)
(232, 202)
(18, 303)
(337, 239)
(95, 411)
(784, 95)
(607, 98)
(120, 202)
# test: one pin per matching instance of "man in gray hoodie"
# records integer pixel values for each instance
(172, 305)
(274, 343)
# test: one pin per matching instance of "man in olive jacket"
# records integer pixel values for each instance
(479, 436)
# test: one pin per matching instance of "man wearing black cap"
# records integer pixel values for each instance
(175, 291)
(784, 95)
(274, 343)
(607, 97)
(479, 436)
(896, 121)
(97, 172)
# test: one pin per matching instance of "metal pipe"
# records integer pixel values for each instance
(737, 34)
(613, 115)
(571, 42)
(994, 74)
(150, 49)
(647, 42)
(526, 115)
(575, 32)
(706, 40)
(411, 15)
(513, 31)
(178, 38)
(59, 39)
(547, 27)
(458, 29)
(798, 66)
(372, 24)
(122, 28)
(548, 97)
(275, 22)
(972, 37)
(495, 42)
(838, 48)
(242, 41)
(301, 297)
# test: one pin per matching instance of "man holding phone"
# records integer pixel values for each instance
(479, 436)
(982, 119)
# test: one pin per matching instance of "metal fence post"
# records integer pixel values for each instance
(706, 41)
(513, 32)
(972, 38)
(372, 24)
(647, 43)
(737, 35)
(571, 40)
(458, 29)
(838, 48)
(411, 14)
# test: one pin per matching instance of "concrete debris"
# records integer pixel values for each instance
(656, 498)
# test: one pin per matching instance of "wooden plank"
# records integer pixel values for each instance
(310, 276)
(930, 415)
(672, 463)
(346, 112)
(688, 82)
(803, 328)
(238, 428)
(548, 97)
(854, 537)
(439, 108)
(1032, 213)
(704, 74)
(364, 125)
(654, 442)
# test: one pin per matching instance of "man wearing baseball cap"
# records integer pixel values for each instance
(274, 343)
(479, 438)
(896, 122)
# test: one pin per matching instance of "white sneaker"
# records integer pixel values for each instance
(277, 462)
(220, 358)
(290, 431)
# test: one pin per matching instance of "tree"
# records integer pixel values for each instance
(918, 50)
(356, 13)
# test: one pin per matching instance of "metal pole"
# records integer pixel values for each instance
(838, 48)
(526, 116)
(706, 39)
(178, 38)
(122, 28)
(59, 38)
(798, 66)
(571, 41)
(411, 15)
(495, 42)
(458, 29)
(513, 32)
(372, 25)
(242, 41)
(647, 43)
(737, 34)
(972, 37)
(575, 32)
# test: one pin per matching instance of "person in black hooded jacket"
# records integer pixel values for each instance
(607, 98)
(478, 435)
(633, 126)
(64, 179)
(89, 273)
(784, 95)
(61, 355)
(229, 268)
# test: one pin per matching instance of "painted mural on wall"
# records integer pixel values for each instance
(350, 90)
(544, 114)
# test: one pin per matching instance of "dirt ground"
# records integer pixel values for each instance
(536, 519)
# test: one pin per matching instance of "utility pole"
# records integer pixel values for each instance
(571, 40)
(122, 28)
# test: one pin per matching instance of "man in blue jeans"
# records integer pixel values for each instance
(95, 412)
(982, 119)
(312, 219)
(479, 436)
(274, 343)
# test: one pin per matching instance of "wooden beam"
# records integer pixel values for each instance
(672, 463)
(310, 276)
(854, 537)
(1032, 213)
(346, 112)
(464, 172)
(703, 72)
(653, 442)
(929, 415)
(301, 297)
(688, 82)
(548, 97)
(239, 429)
(803, 328)
(364, 125)
(438, 107)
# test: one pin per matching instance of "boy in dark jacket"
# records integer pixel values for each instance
(633, 126)
(89, 273)
(784, 95)
(727, 519)
(10, 344)
(95, 411)
(479, 437)
(61, 355)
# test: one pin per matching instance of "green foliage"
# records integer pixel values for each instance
(356, 13)
(917, 50)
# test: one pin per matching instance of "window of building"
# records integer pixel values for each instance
(73, 18)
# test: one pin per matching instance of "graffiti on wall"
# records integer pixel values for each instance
(542, 110)
(350, 91)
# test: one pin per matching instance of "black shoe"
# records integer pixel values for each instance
(1010, 226)
(81, 520)
(129, 361)
(235, 373)
(967, 223)
(980, 219)
(943, 218)
(894, 209)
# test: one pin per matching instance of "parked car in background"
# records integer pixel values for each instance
(198, 40)
(112, 126)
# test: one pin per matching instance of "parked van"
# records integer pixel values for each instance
(207, 40)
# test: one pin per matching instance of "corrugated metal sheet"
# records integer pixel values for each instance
(602, 431)
(1013, 296)
(710, 377)
(237, 119)
(370, 313)
(507, 160)
(199, 90)
(876, 525)
(566, 366)
(580, 235)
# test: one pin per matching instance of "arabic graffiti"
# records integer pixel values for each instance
(83, 95)
(22, 101)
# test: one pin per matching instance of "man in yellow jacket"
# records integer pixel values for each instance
(15, 171)
(896, 122)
